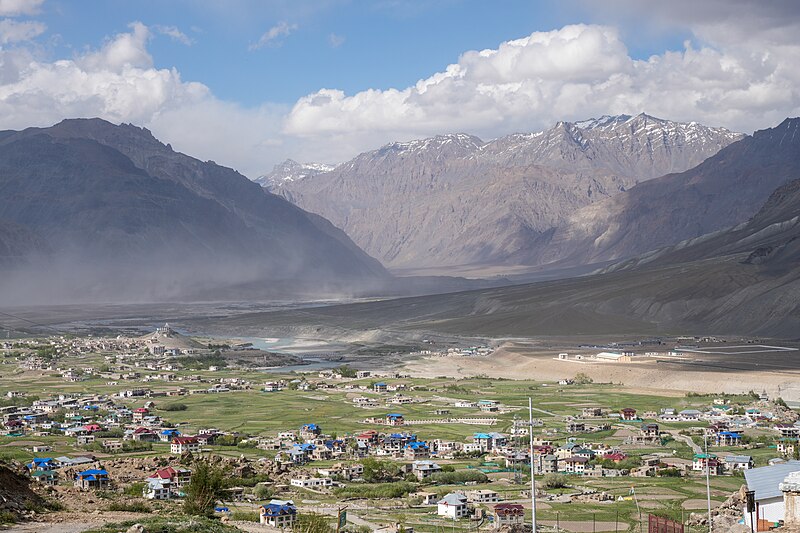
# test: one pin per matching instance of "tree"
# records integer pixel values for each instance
(376, 471)
(204, 489)
(582, 379)
(554, 481)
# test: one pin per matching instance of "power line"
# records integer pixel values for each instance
(37, 324)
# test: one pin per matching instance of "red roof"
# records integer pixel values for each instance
(184, 440)
(141, 430)
(141, 410)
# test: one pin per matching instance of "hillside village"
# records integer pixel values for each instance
(439, 451)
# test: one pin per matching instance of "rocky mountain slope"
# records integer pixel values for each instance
(117, 211)
(290, 171)
(725, 190)
(457, 200)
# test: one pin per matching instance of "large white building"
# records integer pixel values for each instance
(766, 482)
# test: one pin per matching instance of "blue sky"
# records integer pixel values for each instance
(349, 45)
(249, 83)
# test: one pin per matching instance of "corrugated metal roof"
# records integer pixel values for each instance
(765, 480)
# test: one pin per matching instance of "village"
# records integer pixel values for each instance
(126, 421)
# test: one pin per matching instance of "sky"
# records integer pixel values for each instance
(249, 83)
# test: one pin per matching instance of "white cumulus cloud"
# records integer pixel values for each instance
(13, 31)
(14, 8)
(571, 73)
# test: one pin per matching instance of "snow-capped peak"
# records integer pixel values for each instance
(289, 171)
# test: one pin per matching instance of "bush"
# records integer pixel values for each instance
(397, 489)
(582, 379)
(375, 470)
(264, 492)
(459, 477)
(174, 407)
(346, 372)
(204, 489)
(135, 489)
(554, 481)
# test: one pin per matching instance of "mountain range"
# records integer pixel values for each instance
(106, 211)
(455, 200)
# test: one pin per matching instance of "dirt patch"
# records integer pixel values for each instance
(699, 504)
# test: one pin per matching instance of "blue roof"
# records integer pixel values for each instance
(416, 445)
(42, 460)
(730, 434)
(278, 510)
(481, 436)
(170, 432)
(394, 415)
(93, 472)
(380, 384)
(311, 427)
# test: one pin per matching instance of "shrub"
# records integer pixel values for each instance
(554, 481)
(397, 489)
(174, 407)
(204, 489)
(134, 489)
(459, 477)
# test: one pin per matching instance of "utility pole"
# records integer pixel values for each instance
(533, 479)
(708, 480)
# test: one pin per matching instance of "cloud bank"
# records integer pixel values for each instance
(740, 75)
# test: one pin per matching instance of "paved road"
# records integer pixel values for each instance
(688, 440)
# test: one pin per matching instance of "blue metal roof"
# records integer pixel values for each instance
(764, 480)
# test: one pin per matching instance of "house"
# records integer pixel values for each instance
(380, 387)
(482, 496)
(738, 462)
(112, 446)
(180, 445)
(45, 477)
(394, 419)
(361, 374)
(701, 460)
(424, 469)
(690, 415)
(628, 413)
(452, 506)
(591, 412)
(728, 438)
(416, 450)
(157, 489)
(650, 430)
(508, 514)
(278, 514)
(427, 498)
(765, 481)
(83, 440)
(575, 464)
(167, 435)
(177, 477)
(311, 482)
(310, 431)
(93, 479)
(489, 406)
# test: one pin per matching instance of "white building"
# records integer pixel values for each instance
(312, 482)
(453, 506)
(765, 481)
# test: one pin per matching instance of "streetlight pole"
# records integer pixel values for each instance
(533, 479)
(708, 480)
